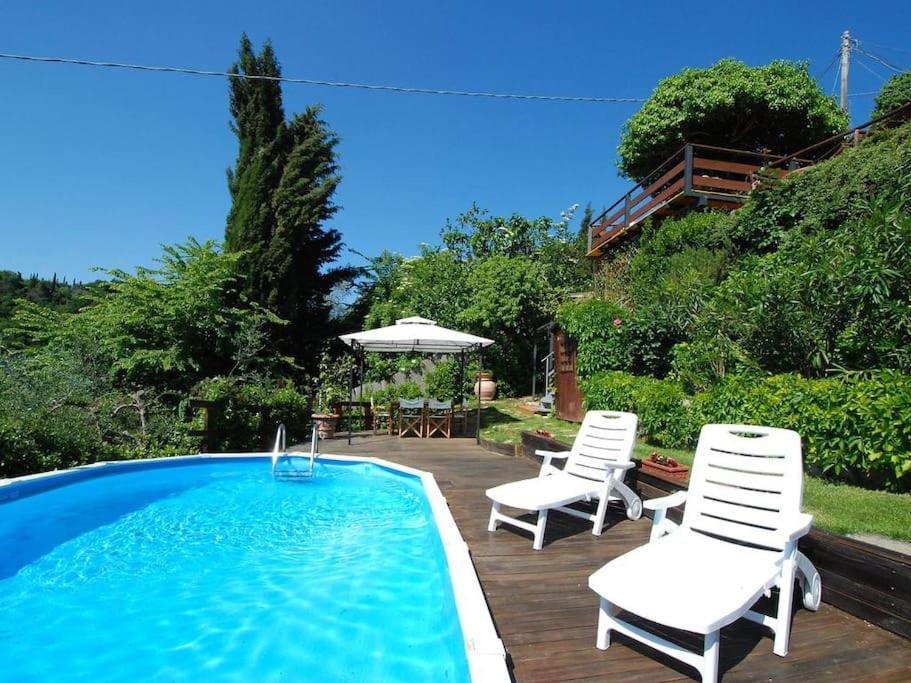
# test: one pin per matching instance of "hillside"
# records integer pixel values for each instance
(794, 310)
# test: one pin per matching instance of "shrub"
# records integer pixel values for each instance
(672, 235)
(895, 93)
(649, 337)
(393, 392)
(853, 428)
(700, 363)
(443, 381)
(832, 299)
(777, 106)
(612, 272)
(597, 327)
(663, 408)
(56, 413)
(824, 197)
(250, 413)
(610, 338)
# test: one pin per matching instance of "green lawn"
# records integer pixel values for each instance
(838, 508)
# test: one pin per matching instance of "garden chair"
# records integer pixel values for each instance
(461, 420)
(594, 470)
(737, 541)
(382, 416)
(439, 418)
(411, 417)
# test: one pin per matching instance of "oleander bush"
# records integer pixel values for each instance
(824, 197)
(834, 299)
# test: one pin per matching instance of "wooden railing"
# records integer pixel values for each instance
(210, 411)
(696, 174)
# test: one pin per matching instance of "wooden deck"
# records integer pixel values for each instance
(545, 612)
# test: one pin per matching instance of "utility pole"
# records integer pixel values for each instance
(845, 61)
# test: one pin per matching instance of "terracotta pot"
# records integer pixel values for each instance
(680, 472)
(325, 424)
(486, 387)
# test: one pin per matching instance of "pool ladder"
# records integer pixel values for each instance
(280, 453)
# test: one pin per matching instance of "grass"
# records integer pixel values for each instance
(839, 508)
(504, 421)
(844, 509)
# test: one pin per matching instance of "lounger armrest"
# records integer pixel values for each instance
(665, 502)
(546, 467)
(619, 465)
(797, 526)
(553, 454)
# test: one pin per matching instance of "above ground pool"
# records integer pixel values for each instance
(209, 569)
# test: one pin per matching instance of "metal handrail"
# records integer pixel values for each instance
(281, 449)
(280, 446)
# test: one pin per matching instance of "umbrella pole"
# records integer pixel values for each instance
(461, 390)
(477, 437)
(360, 390)
(350, 394)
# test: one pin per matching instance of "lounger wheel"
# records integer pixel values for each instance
(810, 582)
(634, 510)
(812, 592)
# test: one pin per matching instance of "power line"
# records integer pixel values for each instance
(879, 76)
(887, 47)
(858, 48)
(826, 70)
(313, 81)
(835, 79)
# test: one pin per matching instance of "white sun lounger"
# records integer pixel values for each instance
(737, 541)
(594, 470)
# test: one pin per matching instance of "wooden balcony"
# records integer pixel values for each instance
(697, 175)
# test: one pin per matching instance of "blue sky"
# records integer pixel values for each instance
(100, 167)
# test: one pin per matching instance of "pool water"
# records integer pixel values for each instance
(215, 571)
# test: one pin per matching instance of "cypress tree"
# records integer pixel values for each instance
(301, 248)
(585, 225)
(282, 189)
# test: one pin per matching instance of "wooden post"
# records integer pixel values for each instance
(210, 413)
(464, 420)
(688, 169)
(350, 394)
(477, 437)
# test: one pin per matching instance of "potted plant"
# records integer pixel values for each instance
(485, 388)
(330, 386)
(324, 419)
(662, 464)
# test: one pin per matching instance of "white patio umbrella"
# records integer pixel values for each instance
(416, 334)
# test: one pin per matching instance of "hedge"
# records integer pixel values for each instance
(855, 428)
